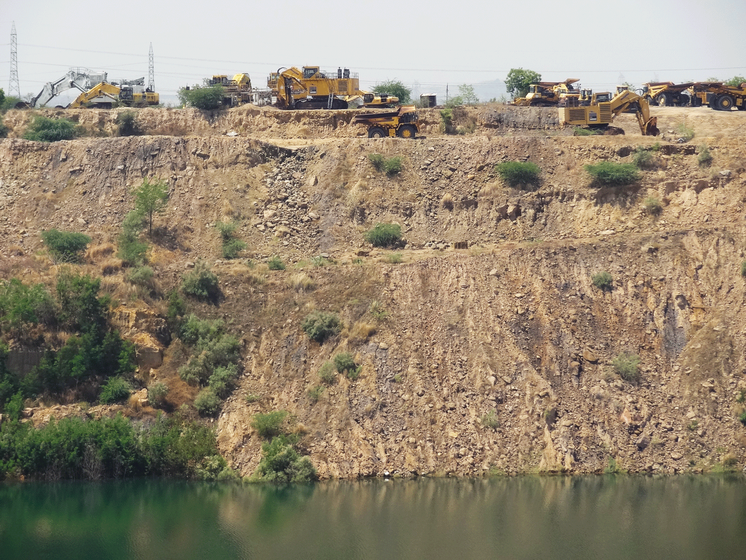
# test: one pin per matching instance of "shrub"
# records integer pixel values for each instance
(652, 206)
(80, 307)
(742, 418)
(222, 379)
(743, 268)
(232, 248)
(127, 124)
(3, 129)
(704, 158)
(141, 276)
(281, 463)
(43, 129)
(327, 373)
(215, 354)
(685, 132)
(446, 121)
(157, 394)
(344, 361)
(65, 246)
(275, 263)
(518, 173)
(314, 393)
(602, 281)
(201, 283)
(21, 304)
(320, 325)
(394, 258)
(204, 98)
(207, 402)
(377, 161)
(643, 159)
(384, 235)
(579, 131)
(131, 250)
(115, 390)
(393, 165)
(270, 424)
(609, 173)
(626, 366)
(490, 420)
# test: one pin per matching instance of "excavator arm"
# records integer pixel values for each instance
(75, 78)
(629, 101)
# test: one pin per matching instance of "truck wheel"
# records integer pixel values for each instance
(376, 132)
(664, 100)
(406, 131)
(725, 102)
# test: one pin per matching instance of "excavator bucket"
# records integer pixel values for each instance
(651, 128)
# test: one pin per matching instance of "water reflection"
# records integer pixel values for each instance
(527, 517)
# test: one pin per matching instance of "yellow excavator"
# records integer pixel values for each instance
(104, 95)
(313, 88)
(600, 115)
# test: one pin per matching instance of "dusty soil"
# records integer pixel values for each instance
(511, 325)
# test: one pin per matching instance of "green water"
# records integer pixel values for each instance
(516, 518)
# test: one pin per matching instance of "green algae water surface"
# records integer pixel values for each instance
(609, 517)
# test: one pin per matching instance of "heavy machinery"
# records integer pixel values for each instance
(127, 92)
(96, 91)
(236, 90)
(79, 78)
(312, 88)
(600, 115)
(402, 123)
(718, 95)
(667, 94)
(548, 94)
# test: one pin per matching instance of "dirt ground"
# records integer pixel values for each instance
(509, 326)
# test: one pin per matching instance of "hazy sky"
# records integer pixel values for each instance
(429, 44)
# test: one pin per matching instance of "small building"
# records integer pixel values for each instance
(428, 100)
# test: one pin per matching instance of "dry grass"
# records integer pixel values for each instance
(301, 282)
(447, 201)
(100, 251)
(226, 208)
(490, 190)
(15, 251)
(361, 331)
(111, 266)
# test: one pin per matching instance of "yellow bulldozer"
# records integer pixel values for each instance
(402, 123)
(600, 115)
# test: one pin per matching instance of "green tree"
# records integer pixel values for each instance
(466, 92)
(394, 87)
(151, 198)
(735, 81)
(205, 98)
(518, 80)
(2, 97)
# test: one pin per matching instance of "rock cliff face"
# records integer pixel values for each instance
(495, 357)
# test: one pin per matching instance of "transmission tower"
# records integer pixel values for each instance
(151, 70)
(14, 89)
